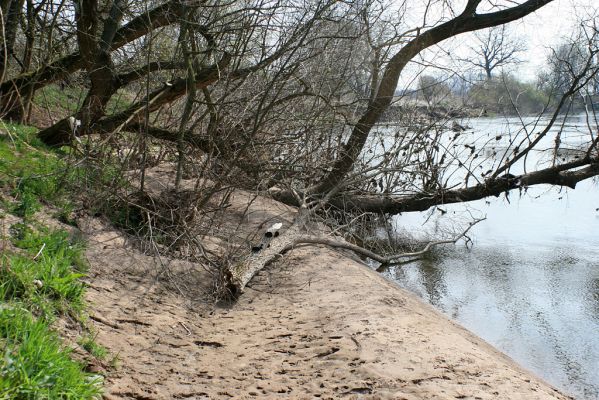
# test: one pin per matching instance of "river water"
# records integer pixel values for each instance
(529, 284)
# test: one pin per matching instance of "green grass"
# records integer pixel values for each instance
(41, 281)
(36, 175)
(67, 101)
(89, 344)
(35, 365)
(53, 98)
(119, 102)
(49, 283)
(29, 170)
(37, 285)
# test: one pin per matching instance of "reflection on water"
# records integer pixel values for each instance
(530, 283)
(541, 308)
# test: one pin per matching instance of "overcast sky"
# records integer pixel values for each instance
(540, 30)
(547, 26)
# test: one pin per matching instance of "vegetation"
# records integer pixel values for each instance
(506, 95)
(36, 287)
(281, 100)
(64, 100)
(48, 285)
(35, 364)
(40, 279)
(29, 171)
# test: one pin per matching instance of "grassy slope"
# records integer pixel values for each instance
(39, 277)
(66, 101)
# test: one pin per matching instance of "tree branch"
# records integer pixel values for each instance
(465, 22)
(163, 15)
(386, 260)
(568, 175)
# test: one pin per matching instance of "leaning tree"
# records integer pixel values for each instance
(287, 99)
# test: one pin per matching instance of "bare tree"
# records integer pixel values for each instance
(496, 47)
(287, 100)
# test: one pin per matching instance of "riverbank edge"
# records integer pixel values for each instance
(317, 324)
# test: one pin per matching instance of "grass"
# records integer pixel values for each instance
(29, 170)
(89, 344)
(46, 277)
(40, 281)
(36, 175)
(35, 364)
(68, 100)
(36, 286)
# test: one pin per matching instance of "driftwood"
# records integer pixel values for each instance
(274, 245)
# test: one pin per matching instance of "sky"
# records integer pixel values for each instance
(546, 27)
(540, 30)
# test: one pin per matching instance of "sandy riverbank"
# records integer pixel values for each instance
(319, 324)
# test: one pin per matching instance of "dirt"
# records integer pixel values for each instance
(318, 324)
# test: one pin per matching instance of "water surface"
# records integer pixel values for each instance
(530, 283)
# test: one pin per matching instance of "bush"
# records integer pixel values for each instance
(507, 95)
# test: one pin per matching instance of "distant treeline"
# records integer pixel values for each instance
(501, 95)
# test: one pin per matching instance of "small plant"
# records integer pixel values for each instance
(89, 344)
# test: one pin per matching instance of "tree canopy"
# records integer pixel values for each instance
(287, 94)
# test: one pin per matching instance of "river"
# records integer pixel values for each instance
(529, 284)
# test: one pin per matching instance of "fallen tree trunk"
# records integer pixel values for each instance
(240, 274)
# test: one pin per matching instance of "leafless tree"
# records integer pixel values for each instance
(496, 47)
(287, 99)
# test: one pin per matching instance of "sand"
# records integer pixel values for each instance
(317, 324)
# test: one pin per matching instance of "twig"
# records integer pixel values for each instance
(39, 252)
(105, 322)
(377, 257)
(133, 321)
(186, 328)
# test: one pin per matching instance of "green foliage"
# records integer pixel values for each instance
(507, 95)
(36, 175)
(21, 136)
(49, 283)
(34, 364)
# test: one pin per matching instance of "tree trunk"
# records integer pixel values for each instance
(12, 12)
(10, 102)
(238, 276)
(61, 134)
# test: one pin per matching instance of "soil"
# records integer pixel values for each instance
(317, 324)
